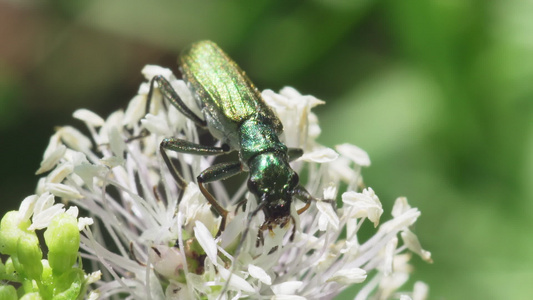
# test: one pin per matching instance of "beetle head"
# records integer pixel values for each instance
(273, 182)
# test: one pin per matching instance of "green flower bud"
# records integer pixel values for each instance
(29, 256)
(8, 292)
(48, 283)
(46, 277)
(62, 234)
(3, 274)
(61, 262)
(31, 296)
(9, 269)
(28, 286)
(63, 240)
(69, 285)
(10, 231)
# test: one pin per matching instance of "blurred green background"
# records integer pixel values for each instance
(438, 92)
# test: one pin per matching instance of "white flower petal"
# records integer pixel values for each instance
(149, 71)
(75, 157)
(401, 222)
(116, 141)
(89, 172)
(88, 117)
(51, 160)
(74, 139)
(259, 273)
(356, 154)
(112, 161)
(322, 222)
(43, 219)
(412, 242)
(323, 155)
(348, 276)
(327, 210)
(289, 92)
(400, 206)
(287, 297)
(341, 168)
(365, 204)
(167, 261)
(314, 130)
(274, 100)
(330, 193)
(156, 125)
(115, 120)
(389, 256)
(135, 111)
(45, 201)
(206, 240)
(63, 190)
(236, 282)
(73, 211)
(84, 222)
(26, 207)
(287, 288)
(94, 295)
(93, 277)
(53, 143)
(420, 291)
(60, 173)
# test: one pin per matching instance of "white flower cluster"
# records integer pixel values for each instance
(155, 241)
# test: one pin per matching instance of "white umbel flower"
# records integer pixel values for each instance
(155, 241)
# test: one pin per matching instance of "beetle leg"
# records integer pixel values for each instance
(301, 193)
(295, 153)
(293, 228)
(306, 206)
(183, 146)
(241, 203)
(214, 173)
(170, 94)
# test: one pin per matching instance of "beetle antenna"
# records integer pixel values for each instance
(239, 246)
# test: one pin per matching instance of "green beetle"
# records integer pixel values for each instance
(236, 114)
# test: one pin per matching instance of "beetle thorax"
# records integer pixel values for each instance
(257, 137)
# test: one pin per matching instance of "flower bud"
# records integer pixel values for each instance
(63, 240)
(29, 255)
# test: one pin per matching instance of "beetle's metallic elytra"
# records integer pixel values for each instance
(235, 113)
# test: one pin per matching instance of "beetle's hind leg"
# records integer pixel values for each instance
(170, 94)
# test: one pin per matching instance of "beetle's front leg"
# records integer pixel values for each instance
(301, 193)
(295, 153)
(214, 173)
